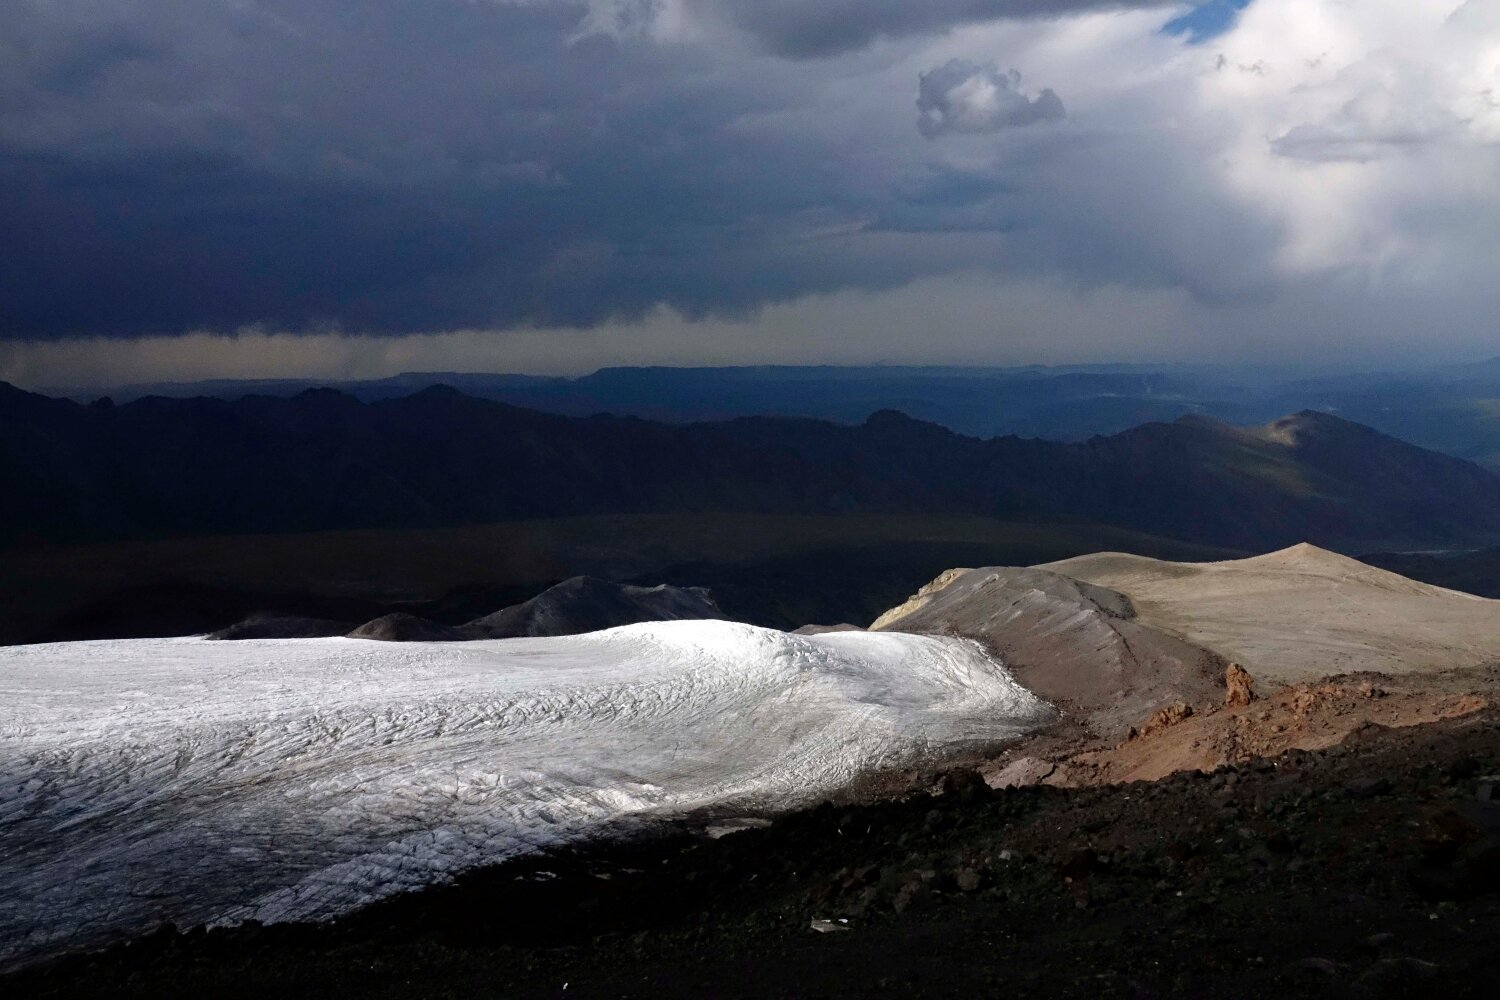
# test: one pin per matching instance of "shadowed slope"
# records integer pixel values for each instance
(1079, 646)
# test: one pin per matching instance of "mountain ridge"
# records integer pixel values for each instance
(324, 460)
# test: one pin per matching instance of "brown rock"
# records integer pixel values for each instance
(1166, 718)
(1237, 683)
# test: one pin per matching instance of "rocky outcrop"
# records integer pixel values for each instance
(919, 600)
(588, 604)
(402, 627)
(582, 604)
(1237, 682)
(1165, 718)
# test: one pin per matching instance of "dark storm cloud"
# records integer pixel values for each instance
(809, 28)
(394, 165)
(464, 166)
(961, 96)
(409, 165)
(403, 166)
(165, 244)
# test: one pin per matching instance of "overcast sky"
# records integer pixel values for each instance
(195, 188)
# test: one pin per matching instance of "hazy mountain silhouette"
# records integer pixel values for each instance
(323, 460)
(1445, 408)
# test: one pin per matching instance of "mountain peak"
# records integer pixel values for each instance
(1303, 553)
(1315, 418)
(889, 418)
(895, 422)
(1291, 429)
(1311, 560)
(439, 395)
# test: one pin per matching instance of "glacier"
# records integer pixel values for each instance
(196, 782)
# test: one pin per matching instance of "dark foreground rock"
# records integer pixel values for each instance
(1270, 878)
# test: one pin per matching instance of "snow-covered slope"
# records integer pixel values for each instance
(176, 779)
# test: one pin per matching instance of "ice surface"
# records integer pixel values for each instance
(182, 780)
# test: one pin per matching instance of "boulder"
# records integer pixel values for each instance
(1021, 772)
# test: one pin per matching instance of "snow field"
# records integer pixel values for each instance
(192, 781)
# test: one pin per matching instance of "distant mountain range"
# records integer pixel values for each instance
(324, 460)
(1453, 408)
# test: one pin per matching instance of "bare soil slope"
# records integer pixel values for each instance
(1303, 613)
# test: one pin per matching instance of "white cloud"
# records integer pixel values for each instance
(1367, 121)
